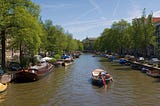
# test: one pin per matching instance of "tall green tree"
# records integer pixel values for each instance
(21, 25)
(142, 31)
(28, 30)
(80, 45)
(121, 28)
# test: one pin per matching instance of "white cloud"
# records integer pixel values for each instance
(85, 14)
(100, 21)
(81, 29)
(82, 26)
(136, 10)
(116, 7)
(57, 6)
(156, 13)
(96, 6)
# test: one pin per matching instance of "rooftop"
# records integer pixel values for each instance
(156, 19)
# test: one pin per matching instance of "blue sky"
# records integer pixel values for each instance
(88, 18)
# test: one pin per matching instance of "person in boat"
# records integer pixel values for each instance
(100, 75)
(107, 75)
(103, 73)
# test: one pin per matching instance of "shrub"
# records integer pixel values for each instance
(57, 56)
(53, 60)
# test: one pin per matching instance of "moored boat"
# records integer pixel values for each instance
(3, 87)
(153, 74)
(101, 77)
(5, 79)
(67, 61)
(34, 73)
(58, 63)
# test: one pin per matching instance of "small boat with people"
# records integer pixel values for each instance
(100, 77)
(33, 73)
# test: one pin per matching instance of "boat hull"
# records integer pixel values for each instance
(154, 75)
(99, 82)
(3, 87)
(32, 74)
(25, 77)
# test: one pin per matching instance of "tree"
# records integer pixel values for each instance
(20, 22)
(136, 38)
(5, 24)
(121, 28)
(142, 31)
(80, 45)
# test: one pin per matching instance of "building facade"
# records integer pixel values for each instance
(156, 22)
(89, 44)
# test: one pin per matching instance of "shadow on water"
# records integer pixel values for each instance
(97, 86)
(94, 84)
(123, 69)
(157, 80)
(119, 65)
(89, 81)
(103, 60)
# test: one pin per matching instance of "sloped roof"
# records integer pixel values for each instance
(91, 38)
(156, 19)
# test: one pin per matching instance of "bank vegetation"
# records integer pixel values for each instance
(136, 38)
(21, 28)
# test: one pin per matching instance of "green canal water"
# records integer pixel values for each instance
(71, 86)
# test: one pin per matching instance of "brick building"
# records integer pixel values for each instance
(156, 22)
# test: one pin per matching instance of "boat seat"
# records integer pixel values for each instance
(95, 73)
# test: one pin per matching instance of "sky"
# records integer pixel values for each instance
(88, 18)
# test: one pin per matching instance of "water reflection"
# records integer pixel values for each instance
(3, 96)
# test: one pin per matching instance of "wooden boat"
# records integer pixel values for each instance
(153, 74)
(3, 87)
(99, 75)
(68, 62)
(58, 63)
(34, 73)
(5, 79)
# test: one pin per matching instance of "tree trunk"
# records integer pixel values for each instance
(20, 54)
(3, 40)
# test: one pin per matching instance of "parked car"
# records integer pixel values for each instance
(14, 66)
(153, 61)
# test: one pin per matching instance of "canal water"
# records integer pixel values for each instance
(71, 86)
